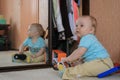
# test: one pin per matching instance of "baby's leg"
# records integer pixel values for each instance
(77, 62)
(92, 68)
(38, 59)
(34, 60)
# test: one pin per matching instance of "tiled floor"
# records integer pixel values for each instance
(45, 74)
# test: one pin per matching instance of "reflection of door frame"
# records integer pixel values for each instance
(85, 11)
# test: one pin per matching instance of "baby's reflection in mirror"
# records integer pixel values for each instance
(36, 45)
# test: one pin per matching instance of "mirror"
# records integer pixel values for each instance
(14, 23)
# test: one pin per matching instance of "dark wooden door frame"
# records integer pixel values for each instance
(85, 7)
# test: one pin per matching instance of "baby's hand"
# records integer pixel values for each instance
(64, 60)
(20, 52)
(33, 56)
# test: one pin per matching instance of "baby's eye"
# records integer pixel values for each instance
(81, 25)
(76, 25)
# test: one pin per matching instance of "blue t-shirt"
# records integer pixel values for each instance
(95, 50)
(34, 47)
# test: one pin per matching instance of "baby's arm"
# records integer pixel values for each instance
(75, 55)
(21, 48)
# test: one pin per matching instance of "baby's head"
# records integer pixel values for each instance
(86, 25)
(35, 29)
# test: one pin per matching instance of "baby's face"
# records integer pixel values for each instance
(32, 31)
(83, 26)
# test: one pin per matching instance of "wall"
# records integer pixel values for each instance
(107, 13)
(0, 6)
(43, 13)
(28, 15)
(11, 11)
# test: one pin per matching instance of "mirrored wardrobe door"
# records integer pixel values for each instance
(18, 30)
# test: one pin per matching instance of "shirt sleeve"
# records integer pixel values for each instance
(86, 41)
(25, 43)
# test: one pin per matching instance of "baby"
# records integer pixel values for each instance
(35, 44)
(95, 58)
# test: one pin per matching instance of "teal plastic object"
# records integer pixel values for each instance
(2, 21)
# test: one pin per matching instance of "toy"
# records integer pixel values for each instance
(61, 67)
(57, 55)
(108, 72)
(20, 58)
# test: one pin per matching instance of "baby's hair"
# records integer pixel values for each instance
(39, 28)
(94, 22)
